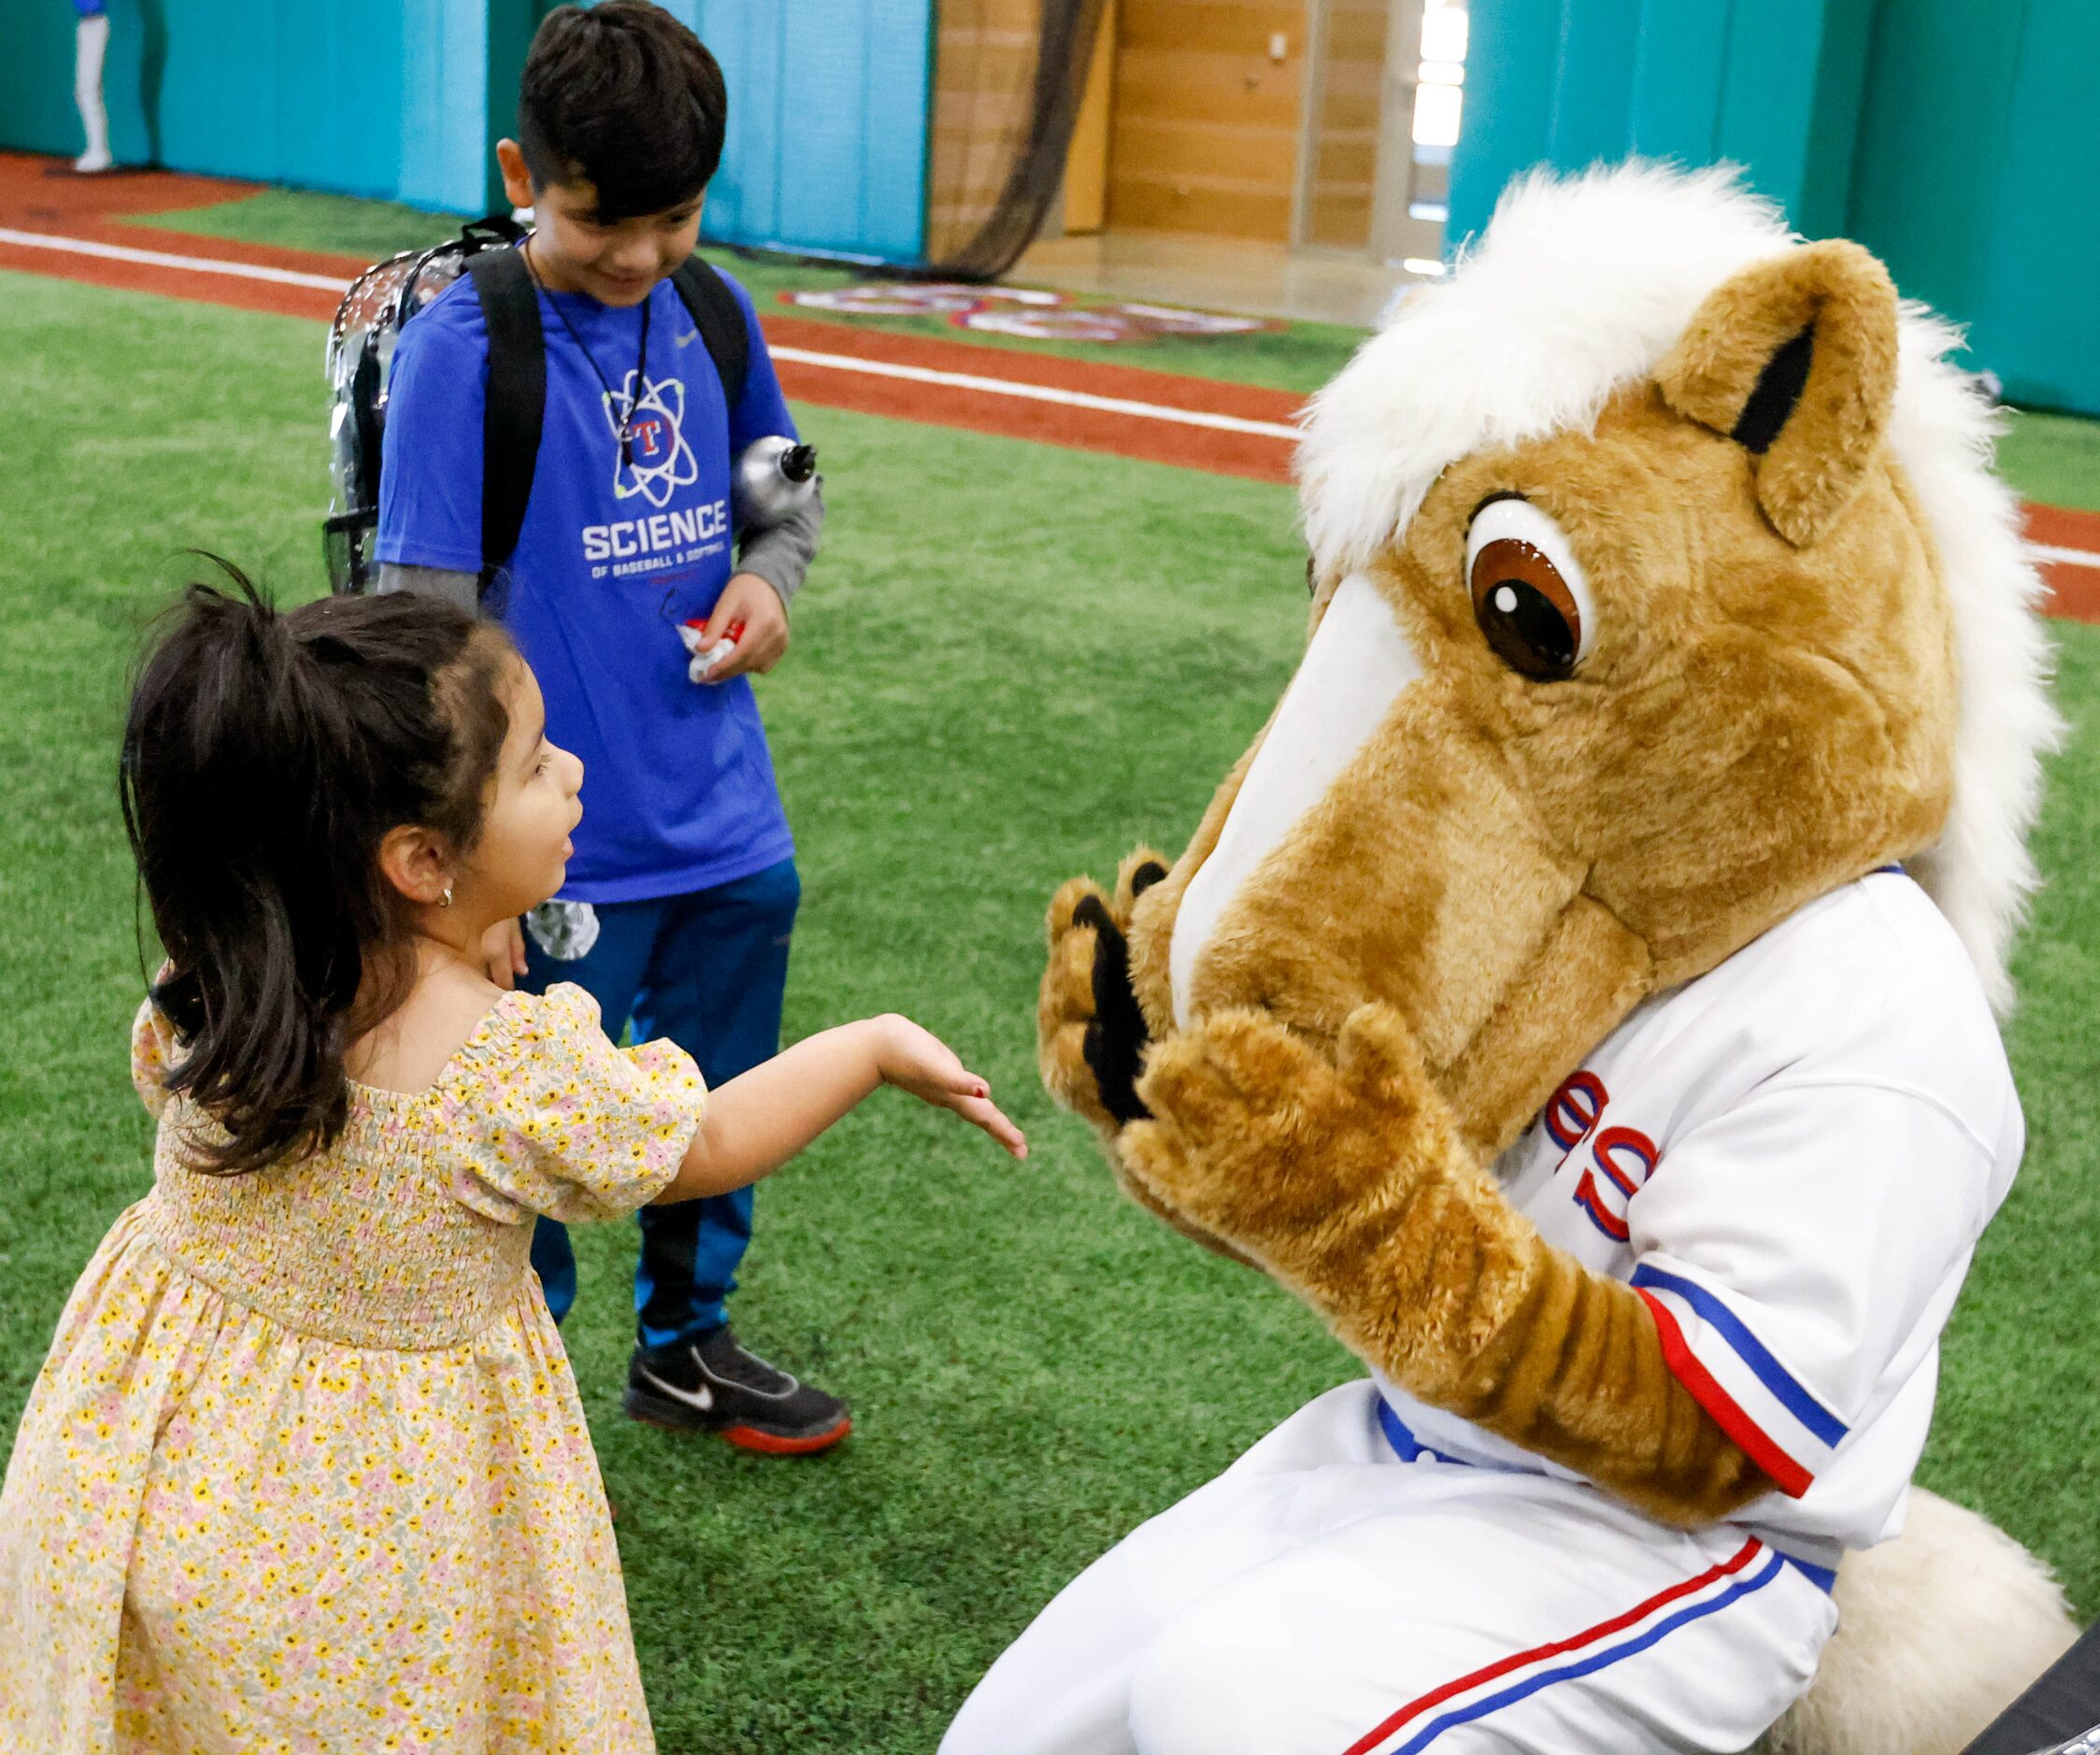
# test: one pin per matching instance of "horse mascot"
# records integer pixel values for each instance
(1581, 995)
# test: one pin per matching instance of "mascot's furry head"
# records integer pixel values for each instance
(1661, 586)
(1584, 291)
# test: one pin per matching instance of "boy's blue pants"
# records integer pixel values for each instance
(708, 970)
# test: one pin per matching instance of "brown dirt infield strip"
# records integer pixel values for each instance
(32, 200)
(2074, 592)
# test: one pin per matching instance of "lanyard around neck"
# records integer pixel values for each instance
(613, 400)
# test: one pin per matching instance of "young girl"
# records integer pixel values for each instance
(306, 1469)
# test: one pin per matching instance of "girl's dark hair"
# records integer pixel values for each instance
(266, 757)
(624, 96)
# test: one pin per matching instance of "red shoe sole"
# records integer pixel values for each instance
(772, 1443)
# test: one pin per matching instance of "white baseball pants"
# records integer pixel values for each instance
(1323, 1597)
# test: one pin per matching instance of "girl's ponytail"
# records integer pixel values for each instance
(266, 757)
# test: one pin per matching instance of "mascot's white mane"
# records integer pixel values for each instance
(1578, 288)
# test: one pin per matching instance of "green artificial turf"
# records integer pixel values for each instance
(300, 219)
(2054, 459)
(1011, 663)
(980, 701)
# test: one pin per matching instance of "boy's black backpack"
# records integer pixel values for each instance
(360, 345)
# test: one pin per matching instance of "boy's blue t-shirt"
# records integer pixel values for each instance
(679, 792)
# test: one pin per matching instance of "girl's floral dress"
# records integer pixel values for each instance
(306, 1469)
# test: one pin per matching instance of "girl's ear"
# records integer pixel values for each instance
(1795, 360)
(416, 863)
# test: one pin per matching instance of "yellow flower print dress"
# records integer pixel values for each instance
(306, 1470)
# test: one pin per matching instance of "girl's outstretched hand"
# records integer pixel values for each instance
(918, 1060)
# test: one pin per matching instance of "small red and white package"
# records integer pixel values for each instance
(705, 653)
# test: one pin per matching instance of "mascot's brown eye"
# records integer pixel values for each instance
(1527, 611)
(1529, 595)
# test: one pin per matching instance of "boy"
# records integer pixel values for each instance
(682, 893)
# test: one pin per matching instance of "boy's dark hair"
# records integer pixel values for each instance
(266, 757)
(625, 96)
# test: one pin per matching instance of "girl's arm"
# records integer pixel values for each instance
(760, 1118)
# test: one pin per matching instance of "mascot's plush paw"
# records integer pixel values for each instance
(1091, 1037)
(1260, 1138)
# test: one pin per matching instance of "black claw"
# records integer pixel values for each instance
(1090, 912)
(1116, 1038)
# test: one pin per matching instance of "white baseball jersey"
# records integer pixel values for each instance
(1791, 1159)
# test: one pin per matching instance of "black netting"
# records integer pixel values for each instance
(1016, 115)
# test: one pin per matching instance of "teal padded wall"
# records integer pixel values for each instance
(365, 98)
(829, 102)
(1774, 85)
(450, 115)
(1979, 182)
(1954, 137)
(37, 113)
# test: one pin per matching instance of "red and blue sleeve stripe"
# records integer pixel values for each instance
(1780, 1424)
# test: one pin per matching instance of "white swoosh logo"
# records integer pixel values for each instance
(703, 1398)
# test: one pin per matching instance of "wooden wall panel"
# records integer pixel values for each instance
(1086, 161)
(1345, 142)
(1205, 133)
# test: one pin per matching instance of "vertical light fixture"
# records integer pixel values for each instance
(1439, 104)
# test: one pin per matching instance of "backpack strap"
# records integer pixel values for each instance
(517, 400)
(720, 319)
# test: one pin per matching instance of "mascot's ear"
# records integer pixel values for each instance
(1795, 360)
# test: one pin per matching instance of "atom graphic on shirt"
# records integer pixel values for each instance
(658, 460)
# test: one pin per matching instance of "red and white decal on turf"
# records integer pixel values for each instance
(1036, 314)
(915, 298)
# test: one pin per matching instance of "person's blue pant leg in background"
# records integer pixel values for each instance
(554, 1262)
(714, 988)
(612, 973)
(708, 970)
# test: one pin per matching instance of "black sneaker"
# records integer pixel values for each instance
(716, 1385)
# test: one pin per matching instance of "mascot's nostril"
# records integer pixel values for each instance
(1146, 876)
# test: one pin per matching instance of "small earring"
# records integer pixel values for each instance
(445, 901)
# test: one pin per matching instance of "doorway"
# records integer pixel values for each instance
(1384, 94)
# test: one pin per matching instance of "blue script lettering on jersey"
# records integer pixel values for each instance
(1619, 1163)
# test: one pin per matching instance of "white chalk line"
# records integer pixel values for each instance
(1038, 393)
(2063, 557)
(800, 356)
(161, 258)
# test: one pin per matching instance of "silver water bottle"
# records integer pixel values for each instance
(774, 478)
